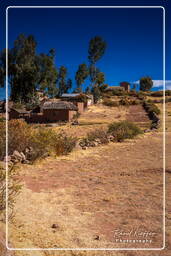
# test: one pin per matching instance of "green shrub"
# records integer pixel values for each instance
(117, 92)
(99, 134)
(41, 140)
(123, 130)
(151, 107)
(110, 103)
(64, 144)
(2, 119)
(124, 101)
(168, 92)
(157, 94)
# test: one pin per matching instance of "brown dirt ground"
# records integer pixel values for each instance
(92, 193)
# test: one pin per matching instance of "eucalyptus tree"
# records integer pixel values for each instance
(96, 50)
(81, 74)
(146, 83)
(27, 71)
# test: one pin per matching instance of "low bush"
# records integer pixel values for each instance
(42, 141)
(168, 92)
(64, 144)
(98, 134)
(110, 103)
(157, 94)
(151, 108)
(118, 92)
(124, 101)
(123, 130)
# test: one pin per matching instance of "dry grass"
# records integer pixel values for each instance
(93, 192)
(97, 116)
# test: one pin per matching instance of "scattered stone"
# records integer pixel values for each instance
(147, 130)
(7, 158)
(75, 122)
(97, 237)
(54, 226)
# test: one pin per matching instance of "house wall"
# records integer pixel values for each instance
(80, 106)
(13, 114)
(71, 114)
(54, 115)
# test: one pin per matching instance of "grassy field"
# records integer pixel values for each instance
(90, 194)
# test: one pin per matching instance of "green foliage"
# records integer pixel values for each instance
(124, 101)
(27, 70)
(96, 49)
(99, 134)
(146, 83)
(110, 103)
(157, 94)
(64, 144)
(123, 130)
(96, 93)
(33, 102)
(168, 92)
(81, 74)
(103, 87)
(100, 78)
(41, 140)
(117, 92)
(151, 108)
(62, 80)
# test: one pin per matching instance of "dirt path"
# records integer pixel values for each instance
(138, 115)
(91, 194)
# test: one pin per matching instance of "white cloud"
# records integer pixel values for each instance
(159, 83)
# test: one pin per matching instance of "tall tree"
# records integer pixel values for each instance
(97, 47)
(68, 85)
(146, 83)
(62, 80)
(100, 78)
(26, 70)
(81, 74)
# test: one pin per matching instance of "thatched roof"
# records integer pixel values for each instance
(111, 88)
(59, 105)
(20, 111)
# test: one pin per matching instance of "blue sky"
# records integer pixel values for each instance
(134, 36)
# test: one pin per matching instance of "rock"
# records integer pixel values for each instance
(17, 155)
(84, 148)
(7, 158)
(147, 130)
(97, 237)
(54, 226)
(23, 156)
(75, 122)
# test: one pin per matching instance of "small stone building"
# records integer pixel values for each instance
(114, 88)
(18, 114)
(125, 85)
(58, 111)
(81, 100)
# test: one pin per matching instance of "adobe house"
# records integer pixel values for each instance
(18, 113)
(54, 111)
(76, 99)
(125, 85)
(114, 88)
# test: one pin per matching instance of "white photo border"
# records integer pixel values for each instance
(164, 164)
